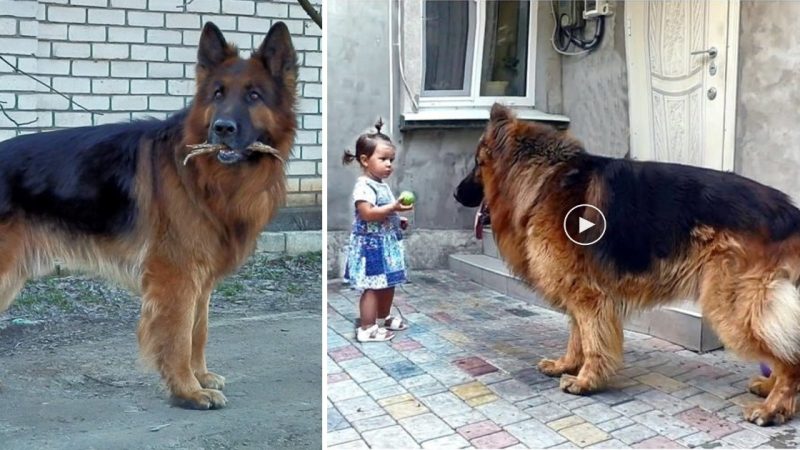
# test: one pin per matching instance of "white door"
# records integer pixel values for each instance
(682, 80)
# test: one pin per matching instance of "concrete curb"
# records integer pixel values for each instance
(290, 242)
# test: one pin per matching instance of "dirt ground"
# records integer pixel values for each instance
(70, 376)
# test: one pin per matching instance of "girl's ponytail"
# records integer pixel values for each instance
(348, 157)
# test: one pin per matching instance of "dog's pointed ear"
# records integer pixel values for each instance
(500, 113)
(213, 48)
(277, 52)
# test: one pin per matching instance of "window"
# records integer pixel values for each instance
(476, 52)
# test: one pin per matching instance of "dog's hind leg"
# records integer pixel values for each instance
(572, 360)
(601, 342)
(169, 305)
(207, 379)
(12, 265)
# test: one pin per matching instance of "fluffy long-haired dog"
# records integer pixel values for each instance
(673, 232)
(123, 200)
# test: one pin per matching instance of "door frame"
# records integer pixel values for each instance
(634, 63)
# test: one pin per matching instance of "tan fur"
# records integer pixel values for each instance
(745, 285)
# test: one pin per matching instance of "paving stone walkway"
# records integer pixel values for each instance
(464, 376)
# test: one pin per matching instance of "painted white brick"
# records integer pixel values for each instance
(128, 69)
(128, 102)
(72, 85)
(6, 134)
(72, 119)
(27, 64)
(18, 46)
(311, 184)
(166, 5)
(110, 51)
(302, 168)
(20, 117)
(43, 49)
(225, 23)
(312, 90)
(297, 12)
(87, 33)
(52, 102)
(305, 43)
(90, 68)
(308, 74)
(92, 102)
(102, 3)
(62, 14)
(269, 9)
(254, 24)
(28, 101)
(242, 40)
(295, 26)
(165, 70)
(129, 4)
(148, 53)
(181, 87)
(126, 34)
(189, 70)
(166, 103)
(163, 37)
(191, 37)
(238, 7)
(311, 152)
(8, 26)
(52, 31)
(148, 115)
(25, 9)
(308, 105)
(306, 137)
(8, 100)
(107, 16)
(183, 21)
(112, 118)
(108, 86)
(313, 59)
(311, 29)
(70, 50)
(41, 12)
(148, 86)
(182, 54)
(146, 19)
(204, 6)
(29, 28)
(53, 67)
(44, 118)
(312, 122)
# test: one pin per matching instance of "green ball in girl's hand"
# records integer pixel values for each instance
(407, 198)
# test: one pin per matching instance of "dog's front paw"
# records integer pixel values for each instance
(552, 367)
(761, 386)
(201, 399)
(210, 380)
(574, 385)
(760, 415)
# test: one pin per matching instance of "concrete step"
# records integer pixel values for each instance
(488, 244)
(676, 325)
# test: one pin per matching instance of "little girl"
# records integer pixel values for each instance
(375, 261)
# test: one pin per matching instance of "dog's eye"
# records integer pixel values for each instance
(218, 93)
(254, 96)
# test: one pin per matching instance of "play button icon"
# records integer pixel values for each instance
(584, 224)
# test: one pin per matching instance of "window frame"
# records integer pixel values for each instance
(473, 99)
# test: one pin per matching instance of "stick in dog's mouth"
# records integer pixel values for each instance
(200, 149)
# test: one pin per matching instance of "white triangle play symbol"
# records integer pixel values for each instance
(584, 224)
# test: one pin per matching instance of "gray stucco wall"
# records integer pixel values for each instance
(595, 91)
(767, 115)
(358, 92)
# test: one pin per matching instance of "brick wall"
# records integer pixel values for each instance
(123, 59)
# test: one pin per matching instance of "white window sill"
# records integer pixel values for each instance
(470, 118)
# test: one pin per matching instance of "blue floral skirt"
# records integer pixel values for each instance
(375, 261)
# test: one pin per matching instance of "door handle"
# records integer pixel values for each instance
(712, 52)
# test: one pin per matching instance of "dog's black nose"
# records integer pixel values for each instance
(223, 128)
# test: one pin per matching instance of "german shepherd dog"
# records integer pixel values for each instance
(673, 232)
(123, 201)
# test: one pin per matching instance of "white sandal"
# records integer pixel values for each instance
(373, 334)
(395, 323)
